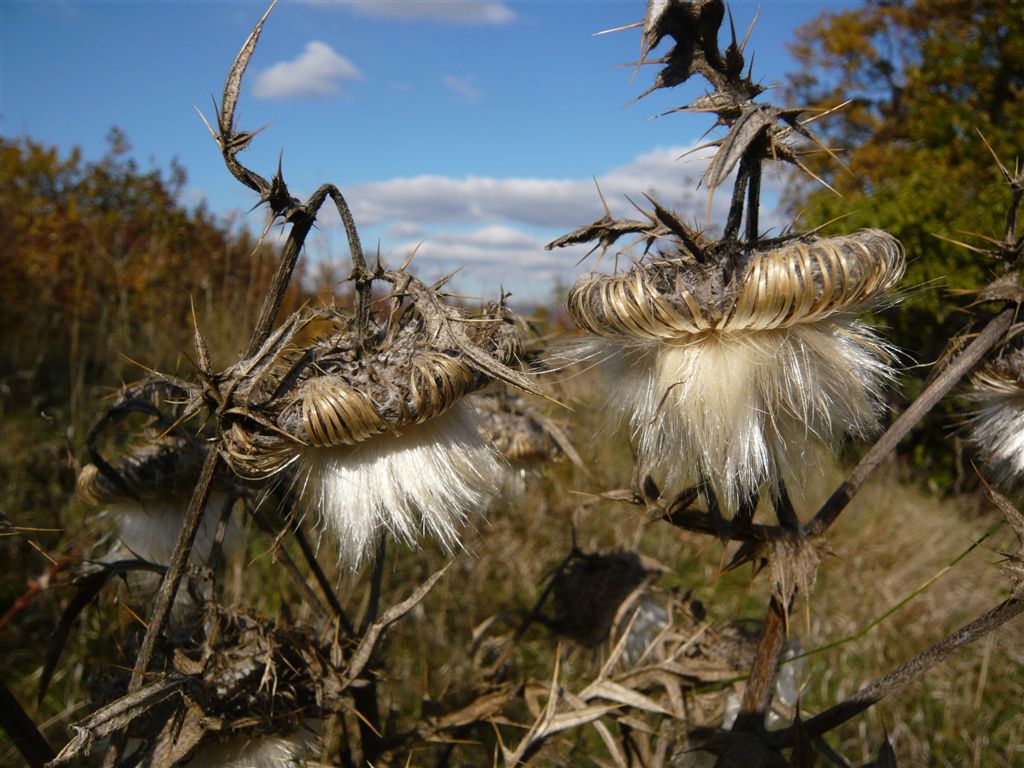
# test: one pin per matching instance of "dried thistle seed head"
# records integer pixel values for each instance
(147, 492)
(162, 468)
(996, 424)
(801, 282)
(423, 479)
(747, 379)
(522, 434)
(266, 751)
(515, 428)
(374, 424)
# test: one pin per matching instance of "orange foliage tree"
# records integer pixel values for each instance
(102, 260)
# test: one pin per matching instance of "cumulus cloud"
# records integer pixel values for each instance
(494, 229)
(491, 257)
(548, 203)
(317, 72)
(463, 87)
(448, 11)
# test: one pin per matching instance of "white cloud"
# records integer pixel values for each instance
(450, 11)
(317, 72)
(491, 257)
(494, 229)
(556, 204)
(463, 87)
(405, 230)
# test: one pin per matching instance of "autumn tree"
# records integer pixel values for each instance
(922, 82)
(926, 79)
(102, 261)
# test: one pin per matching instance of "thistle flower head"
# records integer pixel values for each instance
(740, 378)
(372, 423)
(523, 435)
(996, 425)
(423, 480)
(589, 592)
(265, 751)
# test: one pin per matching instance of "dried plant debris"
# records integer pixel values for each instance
(235, 678)
(996, 424)
(241, 680)
(742, 379)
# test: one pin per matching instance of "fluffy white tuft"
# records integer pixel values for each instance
(740, 409)
(151, 530)
(997, 429)
(424, 480)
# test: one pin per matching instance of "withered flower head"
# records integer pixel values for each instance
(735, 377)
(374, 425)
(524, 436)
(996, 427)
(147, 491)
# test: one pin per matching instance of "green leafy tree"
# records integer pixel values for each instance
(924, 79)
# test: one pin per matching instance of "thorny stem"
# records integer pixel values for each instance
(275, 193)
(175, 569)
(376, 583)
(758, 694)
(754, 198)
(784, 509)
(279, 284)
(168, 590)
(901, 676)
(217, 549)
(1011, 216)
(739, 189)
(300, 582)
(321, 578)
(942, 384)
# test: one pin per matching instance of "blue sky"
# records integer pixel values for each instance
(471, 129)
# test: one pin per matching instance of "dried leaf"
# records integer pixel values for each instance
(606, 689)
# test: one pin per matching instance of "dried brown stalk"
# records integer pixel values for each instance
(902, 675)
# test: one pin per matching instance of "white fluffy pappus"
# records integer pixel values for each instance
(150, 529)
(742, 408)
(424, 480)
(996, 426)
